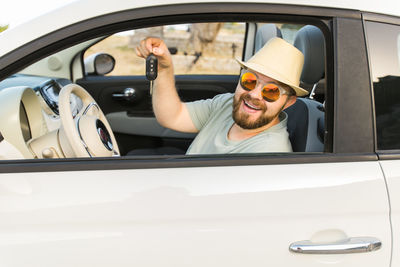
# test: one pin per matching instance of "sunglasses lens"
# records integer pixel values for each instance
(271, 92)
(248, 81)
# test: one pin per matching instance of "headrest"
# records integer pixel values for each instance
(310, 41)
(264, 34)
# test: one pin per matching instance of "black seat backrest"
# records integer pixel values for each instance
(297, 125)
(306, 116)
(304, 119)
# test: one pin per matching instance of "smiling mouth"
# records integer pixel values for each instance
(251, 106)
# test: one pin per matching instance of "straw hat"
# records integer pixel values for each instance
(279, 60)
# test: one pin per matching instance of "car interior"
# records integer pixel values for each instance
(69, 105)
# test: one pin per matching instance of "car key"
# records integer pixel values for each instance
(151, 70)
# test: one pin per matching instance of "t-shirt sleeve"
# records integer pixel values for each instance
(200, 111)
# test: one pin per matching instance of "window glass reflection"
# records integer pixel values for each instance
(384, 47)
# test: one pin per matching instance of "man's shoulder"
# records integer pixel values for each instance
(223, 98)
(222, 101)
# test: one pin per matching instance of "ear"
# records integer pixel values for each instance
(290, 101)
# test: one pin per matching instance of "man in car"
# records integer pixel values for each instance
(248, 121)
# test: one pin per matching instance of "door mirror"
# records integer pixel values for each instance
(99, 64)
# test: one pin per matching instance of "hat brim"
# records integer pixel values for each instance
(274, 75)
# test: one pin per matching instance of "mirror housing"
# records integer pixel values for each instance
(99, 64)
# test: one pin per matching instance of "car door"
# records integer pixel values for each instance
(214, 216)
(306, 209)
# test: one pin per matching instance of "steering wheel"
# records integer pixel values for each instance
(88, 132)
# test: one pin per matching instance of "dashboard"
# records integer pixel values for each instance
(49, 91)
(35, 101)
(23, 118)
(47, 88)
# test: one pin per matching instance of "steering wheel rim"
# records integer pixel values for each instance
(88, 133)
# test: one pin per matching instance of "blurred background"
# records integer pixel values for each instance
(197, 48)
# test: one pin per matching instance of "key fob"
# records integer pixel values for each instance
(151, 67)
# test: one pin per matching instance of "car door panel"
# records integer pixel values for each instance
(122, 122)
(190, 88)
(215, 216)
(135, 117)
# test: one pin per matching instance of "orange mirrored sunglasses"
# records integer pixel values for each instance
(270, 91)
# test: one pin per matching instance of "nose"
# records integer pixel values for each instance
(256, 92)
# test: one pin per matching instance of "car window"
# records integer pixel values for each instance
(384, 53)
(205, 65)
(198, 48)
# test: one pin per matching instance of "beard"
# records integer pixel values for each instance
(243, 119)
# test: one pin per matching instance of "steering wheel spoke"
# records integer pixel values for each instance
(89, 133)
(91, 109)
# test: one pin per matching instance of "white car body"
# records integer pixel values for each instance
(213, 212)
(83, 9)
(189, 216)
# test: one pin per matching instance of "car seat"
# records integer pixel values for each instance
(306, 116)
(264, 34)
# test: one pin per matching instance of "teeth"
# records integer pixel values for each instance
(250, 106)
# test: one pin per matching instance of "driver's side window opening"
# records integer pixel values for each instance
(205, 58)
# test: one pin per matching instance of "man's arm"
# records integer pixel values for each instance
(168, 108)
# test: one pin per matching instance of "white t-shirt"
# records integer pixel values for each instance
(213, 118)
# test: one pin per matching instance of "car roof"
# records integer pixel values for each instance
(85, 9)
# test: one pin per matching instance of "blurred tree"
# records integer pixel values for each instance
(3, 27)
(202, 35)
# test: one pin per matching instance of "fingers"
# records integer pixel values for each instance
(141, 50)
(139, 53)
(158, 48)
(150, 45)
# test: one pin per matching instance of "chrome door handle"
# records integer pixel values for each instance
(350, 245)
(128, 94)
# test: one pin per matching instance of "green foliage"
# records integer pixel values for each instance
(3, 28)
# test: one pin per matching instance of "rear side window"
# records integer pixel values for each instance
(384, 53)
